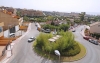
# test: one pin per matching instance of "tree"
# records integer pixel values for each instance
(52, 23)
(25, 18)
(18, 13)
(82, 16)
(68, 21)
(77, 21)
(64, 27)
(88, 19)
(65, 44)
(50, 18)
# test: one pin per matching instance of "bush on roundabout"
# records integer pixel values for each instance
(66, 44)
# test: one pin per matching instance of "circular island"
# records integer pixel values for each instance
(70, 50)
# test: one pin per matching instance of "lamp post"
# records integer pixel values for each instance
(58, 54)
(9, 37)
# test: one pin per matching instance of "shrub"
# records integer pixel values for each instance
(72, 51)
(64, 27)
(65, 44)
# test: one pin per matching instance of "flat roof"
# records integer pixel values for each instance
(94, 23)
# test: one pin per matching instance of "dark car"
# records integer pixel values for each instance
(90, 40)
(12, 34)
(31, 39)
(47, 31)
(86, 38)
(93, 41)
(73, 30)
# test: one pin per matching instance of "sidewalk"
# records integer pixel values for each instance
(8, 55)
(19, 33)
(82, 32)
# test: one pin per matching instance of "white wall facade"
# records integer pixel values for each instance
(6, 33)
(16, 28)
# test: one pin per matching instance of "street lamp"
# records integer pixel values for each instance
(9, 37)
(58, 54)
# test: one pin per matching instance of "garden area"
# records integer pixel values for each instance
(66, 45)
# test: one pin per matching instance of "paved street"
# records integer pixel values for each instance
(93, 51)
(23, 53)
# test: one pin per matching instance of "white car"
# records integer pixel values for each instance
(31, 39)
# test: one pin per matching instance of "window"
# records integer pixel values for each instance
(0, 29)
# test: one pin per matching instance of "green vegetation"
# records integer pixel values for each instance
(26, 18)
(77, 21)
(82, 16)
(18, 13)
(63, 58)
(65, 44)
(96, 35)
(64, 27)
(76, 57)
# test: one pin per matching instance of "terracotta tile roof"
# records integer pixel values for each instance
(23, 28)
(94, 23)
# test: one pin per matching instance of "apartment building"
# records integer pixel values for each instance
(8, 20)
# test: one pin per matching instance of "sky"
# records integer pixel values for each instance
(89, 6)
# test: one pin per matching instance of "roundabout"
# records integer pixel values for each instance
(73, 50)
(23, 52)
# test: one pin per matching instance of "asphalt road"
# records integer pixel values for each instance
(23, 53)
(93, 51)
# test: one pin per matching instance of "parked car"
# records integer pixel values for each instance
(86, 38)
(31, 39)
(73, 30)
(47, 31)
(93, 41)
(12, 34)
